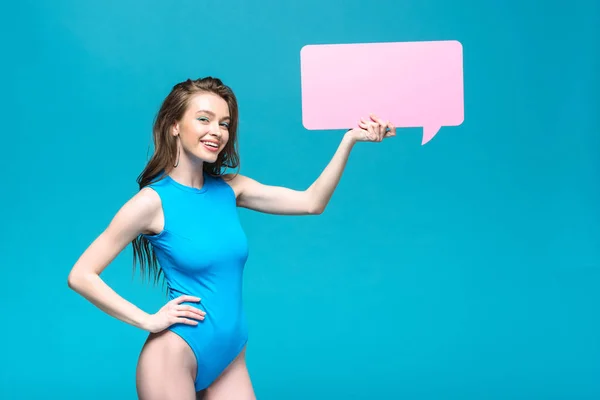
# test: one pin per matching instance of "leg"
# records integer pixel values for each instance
(166, 369)
(234, 383)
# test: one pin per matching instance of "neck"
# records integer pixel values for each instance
(189, 173)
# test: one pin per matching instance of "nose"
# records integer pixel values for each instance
(215, 130)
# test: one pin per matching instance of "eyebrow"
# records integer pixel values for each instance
(210, 113)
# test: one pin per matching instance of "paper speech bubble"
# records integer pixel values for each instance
(411, 84)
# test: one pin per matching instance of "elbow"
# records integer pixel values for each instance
(75, 281)
(316, 209)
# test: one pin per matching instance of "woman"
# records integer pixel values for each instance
(184, 219)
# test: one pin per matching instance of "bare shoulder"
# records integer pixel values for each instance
(143, 204)
(141, 213)
(144, 210)
(147, 199)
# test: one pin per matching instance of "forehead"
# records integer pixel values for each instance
(209, 102)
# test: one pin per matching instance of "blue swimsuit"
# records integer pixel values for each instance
(202, 251)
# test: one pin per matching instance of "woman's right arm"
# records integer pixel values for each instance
(136, 216)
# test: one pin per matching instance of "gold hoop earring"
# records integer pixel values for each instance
(178, 153)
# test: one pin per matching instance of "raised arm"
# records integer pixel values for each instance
(281, 200)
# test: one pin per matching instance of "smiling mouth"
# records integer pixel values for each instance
(212, 146)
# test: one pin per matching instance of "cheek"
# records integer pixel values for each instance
(194, 128)
(188, 138)
(193, 132)
(225, 136)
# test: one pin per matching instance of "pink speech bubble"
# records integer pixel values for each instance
(411, 84)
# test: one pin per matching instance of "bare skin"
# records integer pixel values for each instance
(167, 366)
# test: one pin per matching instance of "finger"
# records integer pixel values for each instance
(192, 309)
(380, 124)
(189, 314)
(376, 131)
(391, 130)
(384, 129)
(367, 130)
(373, 135)
(186, 321)
(376, 119)
(183, 298)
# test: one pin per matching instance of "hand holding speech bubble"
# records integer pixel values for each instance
(410, 84)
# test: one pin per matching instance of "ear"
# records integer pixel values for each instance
(175, 129)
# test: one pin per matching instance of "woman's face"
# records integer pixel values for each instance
(204, 128)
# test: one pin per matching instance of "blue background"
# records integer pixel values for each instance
(467, 268)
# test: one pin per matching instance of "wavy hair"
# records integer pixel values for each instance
(162, 161)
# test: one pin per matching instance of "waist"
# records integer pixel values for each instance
(217, 327)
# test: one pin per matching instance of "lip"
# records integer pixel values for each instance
(213, 149)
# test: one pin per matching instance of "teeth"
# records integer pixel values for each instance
(210, 144)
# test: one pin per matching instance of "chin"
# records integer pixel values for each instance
(210, 157)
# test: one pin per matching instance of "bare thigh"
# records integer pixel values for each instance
(166, 368)
(234, 383)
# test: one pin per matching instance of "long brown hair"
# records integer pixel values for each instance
(165, 150)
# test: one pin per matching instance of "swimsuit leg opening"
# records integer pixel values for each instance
(196, 384)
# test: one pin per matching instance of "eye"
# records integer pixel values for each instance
(225, 124)
(203, 119)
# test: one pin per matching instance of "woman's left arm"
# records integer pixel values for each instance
(285, 201)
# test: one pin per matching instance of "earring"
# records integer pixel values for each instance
(177, 160)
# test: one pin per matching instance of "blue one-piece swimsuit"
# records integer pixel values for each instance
(202, 251)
